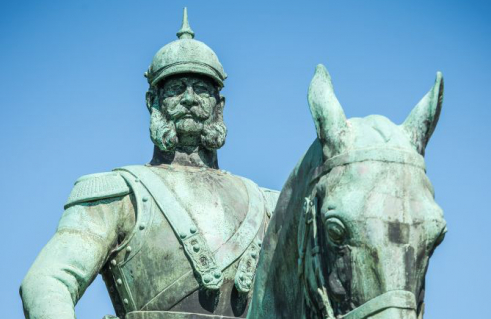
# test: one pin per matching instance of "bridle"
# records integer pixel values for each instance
(315, 293)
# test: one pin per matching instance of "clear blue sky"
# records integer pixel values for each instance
(72, 103)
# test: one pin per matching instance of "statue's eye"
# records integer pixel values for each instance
(175, 89)
(335, 230)
(200, 88)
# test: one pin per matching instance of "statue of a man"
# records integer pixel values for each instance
(177, 238)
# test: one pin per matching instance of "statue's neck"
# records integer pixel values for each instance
(185, 156)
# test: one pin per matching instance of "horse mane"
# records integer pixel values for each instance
(278, 266)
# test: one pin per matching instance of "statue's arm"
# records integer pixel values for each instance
(86, 234)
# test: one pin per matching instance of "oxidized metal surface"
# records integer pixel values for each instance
(351, 237)
(356, 222)
(177, 238)
(185, 55)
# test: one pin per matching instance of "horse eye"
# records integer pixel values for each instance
(335, 230)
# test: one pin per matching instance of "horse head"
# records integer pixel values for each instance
(370, 221)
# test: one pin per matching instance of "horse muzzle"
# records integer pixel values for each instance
(395, 304)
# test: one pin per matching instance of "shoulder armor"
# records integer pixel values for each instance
(97, 186)
(271, 197)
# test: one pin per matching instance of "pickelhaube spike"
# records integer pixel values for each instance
(185, 32)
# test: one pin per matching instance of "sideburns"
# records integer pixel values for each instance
(162, 132)
(214, 131)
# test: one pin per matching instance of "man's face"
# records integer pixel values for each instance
(187, 111)
(188, 101)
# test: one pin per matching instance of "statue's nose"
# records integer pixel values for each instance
(188, 98)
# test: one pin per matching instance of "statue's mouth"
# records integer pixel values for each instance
(182, 116)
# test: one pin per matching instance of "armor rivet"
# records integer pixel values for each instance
(207, 279)
(145, 198)
(142, 226)
(192, 229)
(217, 274)
(182, 235)
(196, 248)
(119, 281)
(126, 301)
(253, 254)
(113, 262)
(128, 249)
(137, 180)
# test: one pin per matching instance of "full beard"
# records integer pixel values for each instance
(165, 132)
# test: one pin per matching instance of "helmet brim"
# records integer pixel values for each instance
(191, 67)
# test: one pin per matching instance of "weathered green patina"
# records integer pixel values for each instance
(351, 236)
(177, 238)
(356, 222)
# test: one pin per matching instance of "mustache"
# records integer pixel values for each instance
(180, 111)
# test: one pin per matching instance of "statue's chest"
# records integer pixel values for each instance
(216, 202)
(195, 227)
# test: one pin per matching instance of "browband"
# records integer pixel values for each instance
(388, 155)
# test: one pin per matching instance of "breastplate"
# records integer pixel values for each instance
(151, 271)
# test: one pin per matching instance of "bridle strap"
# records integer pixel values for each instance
(401, 299)
(387, 155)
(392, 299)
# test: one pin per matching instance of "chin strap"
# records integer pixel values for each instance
(315, 292)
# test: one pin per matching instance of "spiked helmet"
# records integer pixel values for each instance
(185, 55)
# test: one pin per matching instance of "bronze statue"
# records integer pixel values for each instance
(177, 238)
(356, 222)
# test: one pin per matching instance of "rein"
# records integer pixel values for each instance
(316, 294)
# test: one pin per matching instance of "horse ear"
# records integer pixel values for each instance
(328, 115)
(422, 121)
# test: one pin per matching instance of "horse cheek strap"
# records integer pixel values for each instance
(392, 299)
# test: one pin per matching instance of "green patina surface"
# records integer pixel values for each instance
(176, 238)
(351, 236)
(356, 222)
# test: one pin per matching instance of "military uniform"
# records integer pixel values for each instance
(171, 241)
(158, 258)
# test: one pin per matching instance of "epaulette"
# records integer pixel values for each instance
(97, 186)
(271, 197)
